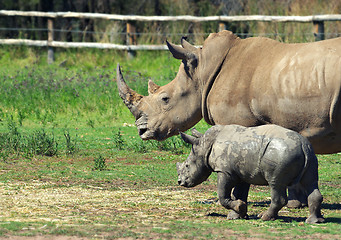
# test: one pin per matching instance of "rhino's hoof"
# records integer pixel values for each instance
(233, 216)
(295, 204)
(314, 219)
(265, 216)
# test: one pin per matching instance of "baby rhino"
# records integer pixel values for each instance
(263, 155)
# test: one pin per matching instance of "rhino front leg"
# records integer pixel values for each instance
(240, 191)
(225, 185)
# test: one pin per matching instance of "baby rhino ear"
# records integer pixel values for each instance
(196, 133)
(178, 166)
(189, 139)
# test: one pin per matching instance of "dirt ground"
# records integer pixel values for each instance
(138, 212)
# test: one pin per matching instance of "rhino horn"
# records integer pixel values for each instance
(187, 45)
(189, 139)
(180, 52)
(152, 87)
(129, 96)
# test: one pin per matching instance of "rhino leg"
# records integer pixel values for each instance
(314, 203)
(310, 182)
(297, 196)
(240, 191)
(278, 200)
(225, 185)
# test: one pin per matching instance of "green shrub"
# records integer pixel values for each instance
(99, 163)
(40, 143)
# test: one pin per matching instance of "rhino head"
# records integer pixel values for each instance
(195, 169)
(171, 108)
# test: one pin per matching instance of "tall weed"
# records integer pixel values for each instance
(71, 144)
(119, 142)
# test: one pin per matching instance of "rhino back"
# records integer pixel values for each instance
(264, 81)
(258, 155)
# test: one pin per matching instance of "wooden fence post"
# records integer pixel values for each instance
(318, 30)
(50, 53)
(222, 26)
(131, 38)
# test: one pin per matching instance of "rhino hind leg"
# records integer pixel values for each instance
(310, 182)
(278, 200)
(314, 202)
(297, 196)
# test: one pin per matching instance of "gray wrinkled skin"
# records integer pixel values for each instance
(263, 155)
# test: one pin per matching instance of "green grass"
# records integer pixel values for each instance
(102, 181)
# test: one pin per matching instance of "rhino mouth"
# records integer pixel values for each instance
(142, 127)
(142, 131)
(146, 134)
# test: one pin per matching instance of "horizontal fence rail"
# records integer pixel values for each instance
(42, 43)
(130, 47)
(303, 19)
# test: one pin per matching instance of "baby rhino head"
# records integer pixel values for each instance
(195, 169)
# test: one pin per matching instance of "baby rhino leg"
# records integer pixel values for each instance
(240, 191)
(310, 182)
(278, 200)
(225, 186)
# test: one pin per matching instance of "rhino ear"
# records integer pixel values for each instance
(178, 166)
(152, 87)
(189, 139)
(196, 133)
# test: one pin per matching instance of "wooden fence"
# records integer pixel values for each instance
(317, 20)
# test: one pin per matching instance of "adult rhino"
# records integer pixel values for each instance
(249, 82)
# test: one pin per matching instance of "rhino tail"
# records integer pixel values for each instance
(308, 155)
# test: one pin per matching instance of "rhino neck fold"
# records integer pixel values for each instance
(207, 156)
(209, 139)
(207, 88)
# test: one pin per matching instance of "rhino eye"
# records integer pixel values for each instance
(165, 99)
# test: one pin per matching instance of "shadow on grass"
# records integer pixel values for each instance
(333, 206)
(288, 219)
(281, 218)
(255, 217)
